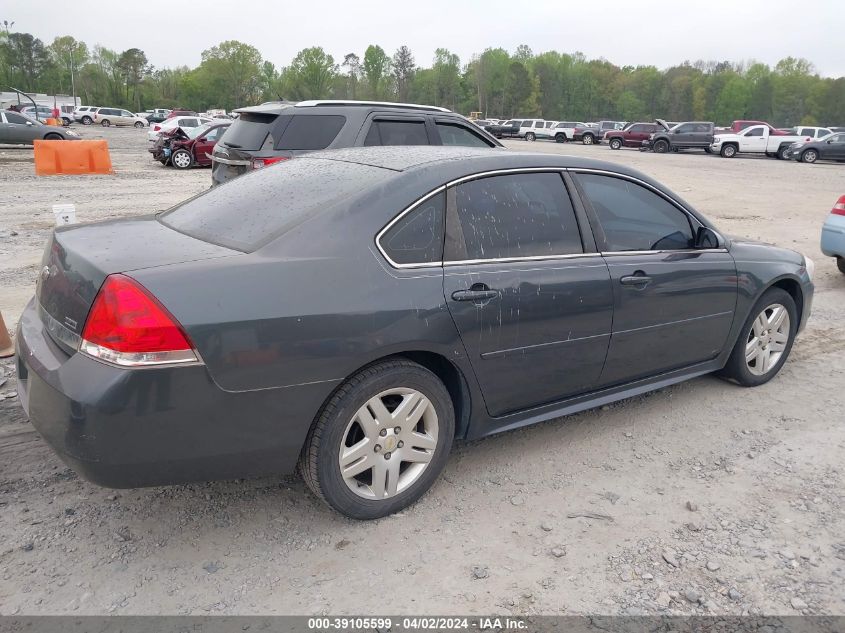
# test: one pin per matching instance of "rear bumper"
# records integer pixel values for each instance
(833, 236)
(127, 428)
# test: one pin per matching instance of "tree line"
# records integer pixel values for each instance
(497, 83)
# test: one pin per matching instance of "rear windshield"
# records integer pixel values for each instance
(251, 210)
(250, 130)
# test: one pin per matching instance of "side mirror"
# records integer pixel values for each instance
(706, 237)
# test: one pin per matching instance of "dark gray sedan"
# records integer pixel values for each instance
(20, 129)
(355, 311)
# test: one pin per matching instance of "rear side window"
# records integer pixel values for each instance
(384, 132)
(310, 132)
(453, 134)
(417, 238)
(253, 209)
(518, 215)
(634, 218)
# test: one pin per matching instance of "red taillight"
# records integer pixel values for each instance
(839, 207)
(128, 326)
(258, 163)
(156, 128)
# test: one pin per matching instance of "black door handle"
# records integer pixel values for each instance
(639, 278)
(476, 293)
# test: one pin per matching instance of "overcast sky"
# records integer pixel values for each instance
(625, 32)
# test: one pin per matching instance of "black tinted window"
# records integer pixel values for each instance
(310, 131)
(397, 133)
(634, 218)
(520, 215)
(417, 238)
(755, 132)
(453, 134)
(257, 207)
(250, 130)
(16, 118)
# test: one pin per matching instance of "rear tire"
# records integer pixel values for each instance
(354, 417)
(530, 136)
(66, 121)
(809, 156)
(840, 264)
(138, 124)
(560, 138)
(588, 139)
(661, 146)
(105, 123)
(763, 346)
(707, 150)
(728, 151)
(86, 120)
(782, 150)
(615, 143)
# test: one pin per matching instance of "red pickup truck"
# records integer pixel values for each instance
(632, 135)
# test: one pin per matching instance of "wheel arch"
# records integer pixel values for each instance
(793, 287)
(448, 372)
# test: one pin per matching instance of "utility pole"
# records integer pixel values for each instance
(72, 83)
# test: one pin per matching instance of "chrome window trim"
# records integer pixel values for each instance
(401, 215)
(516, 170)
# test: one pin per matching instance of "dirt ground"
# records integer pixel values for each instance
(700, 498)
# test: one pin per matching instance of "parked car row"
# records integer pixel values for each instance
(95, 115)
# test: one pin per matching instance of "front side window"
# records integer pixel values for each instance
(633, 218)
(519, 215)
(385, 132)
(453, 134)
(635, 128)
(417, 238)
(757, 131)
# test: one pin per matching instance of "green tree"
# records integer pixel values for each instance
(447, 73)
(403, 71)
(376, 69)
(352, 64)
(69, 56)
(233, 71)
(312, 73)
(27, 59)
(133, 66)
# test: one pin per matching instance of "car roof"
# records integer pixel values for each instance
(463, 160)
(276, 107)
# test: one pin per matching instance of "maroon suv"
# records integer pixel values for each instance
(632, 135)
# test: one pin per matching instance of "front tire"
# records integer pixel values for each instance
(381, 441)
(588, 139)
(661, 147)
(615, 143)
(728, 151)
(181, 159)
(105, 123)
(139, 124)
(765, 340)
(809, 156)
(560, 138)
(86, 120)
(53, 137)
(840, 264)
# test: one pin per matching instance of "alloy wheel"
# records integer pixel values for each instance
(588, 139)
(810, 156)
(182, 160)
(767, 339)
(389, 443)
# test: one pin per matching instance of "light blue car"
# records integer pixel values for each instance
(833, 234)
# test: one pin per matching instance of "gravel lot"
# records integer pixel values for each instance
(700, 498)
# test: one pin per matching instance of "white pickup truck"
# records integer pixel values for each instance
(756, 139)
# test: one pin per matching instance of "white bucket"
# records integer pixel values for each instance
(65, 214)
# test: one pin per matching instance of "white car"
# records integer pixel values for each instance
(757, 139)
(85, 114)
(528, 129)
(117, 116)
(185, 122)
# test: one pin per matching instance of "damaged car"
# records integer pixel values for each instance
(188, 148)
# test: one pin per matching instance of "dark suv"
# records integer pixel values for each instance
(689, 135)
(632, 135)
(277, 131)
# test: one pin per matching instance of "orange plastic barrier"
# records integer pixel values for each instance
(54, 122)
(72, 157)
